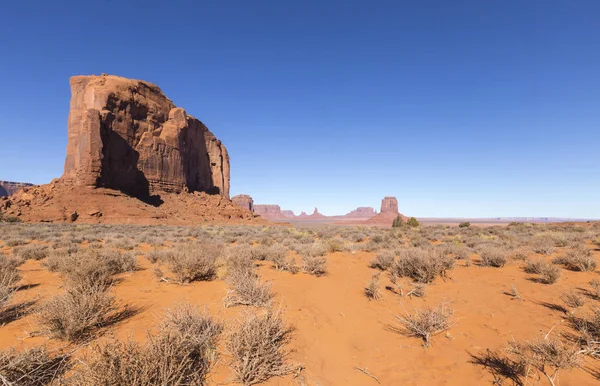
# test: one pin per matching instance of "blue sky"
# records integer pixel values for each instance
(457, 108)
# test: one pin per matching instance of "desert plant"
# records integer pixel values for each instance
(547, 355)
(31, 367)
(248, 290)
(549, 274)
(542, 244)
(572, 299)
(465, 224)
(33, 251)
(314, 265)
(383, 260)
(413, 222)
(493, 256)
(398, 222)
(78, 312)
(426, 322)
(535, 266)
(193, 262)
(257, 347)
(372, 289)
(422, 265)
(578, 259)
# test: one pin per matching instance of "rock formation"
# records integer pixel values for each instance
(362, 212)
(268, 211)
(288, 213)
(389, 205)
(127, 135)
(8, 188)
(244, 201)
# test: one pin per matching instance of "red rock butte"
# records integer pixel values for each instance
(127, 140)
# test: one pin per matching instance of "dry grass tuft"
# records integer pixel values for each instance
(257, 347)
(493, 256)
(422, 265)
(314, 265)
(383, 260)
(248, 291)
(572, 299)
(192, 262)
(426, 322)
(578, 259)
(372, 289)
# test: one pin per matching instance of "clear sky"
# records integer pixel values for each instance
(458, 108)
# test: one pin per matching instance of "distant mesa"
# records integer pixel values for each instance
(389, 205)
(288, 213)
(315, 215)
(244, 201)
(389, 211)
(362, 212)
(8, 188)
(132, 157)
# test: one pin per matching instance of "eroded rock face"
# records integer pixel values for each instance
(126, 134)
(268, 211)
(389, 205)
(244, 201)
(8, 188)
(362, 212)
(288, 213)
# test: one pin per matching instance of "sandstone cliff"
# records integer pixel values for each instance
(389, 211)
(361, 212)
(268, 211)
(127, 135)
(8, 188)
(244, 201)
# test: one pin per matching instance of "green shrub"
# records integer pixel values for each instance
(398, 222)
(413, 222)
(465, 224)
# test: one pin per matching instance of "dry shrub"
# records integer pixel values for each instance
(372, 289)
(249, 291)
(547, 355)
(589, 329)
(493, 256)
(426, 322)
(542, 244)
(535, 266)
(595, 292)
(239, 261)
(156, 255)
(32, 367)
(422, 265)
(459, 251)
(193, 262)
(383, 260)
(257, 347)
(314, 265)
(9, 276)
(32, 251)
(78, 312)
(578, 259)
(335, 245)
(181, 353)
(572, 299)
(549, 274)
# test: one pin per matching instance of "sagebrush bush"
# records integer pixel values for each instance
(372, 289)
(314, 265)
(257, 347)
(248, 290)
(426, 322)
(9, 276)
(31, 367)
(193, 262)
(542, 244)
(422, 265)
(549, 274)
(578, 259)
(33, 251)
(78, 312)
(493, 256)
(383, 260)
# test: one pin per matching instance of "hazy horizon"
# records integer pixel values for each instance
(463, 109)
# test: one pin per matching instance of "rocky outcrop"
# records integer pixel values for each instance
(127, 135)
(244, 201)
(8, 188)
(314, 215)
(389, 205)
(288, 213)
(268, 211)
(362, 212)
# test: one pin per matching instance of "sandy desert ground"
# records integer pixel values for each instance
(522, 283)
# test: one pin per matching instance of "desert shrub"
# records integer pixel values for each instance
(32, 251)
(383, 260)
(315, 249)
(398, 222)
(249, 291)
(549, 274)
(257, 347)
(578, 259)
(542, 244)
(193, 262)
(535, 266)
(422, 265)
(9, 276)
(572, 299)
(413, 222)
(595, 291)
(157, 255)
(283, 263)
(493, 256)
(31, 367)
(465, 224)
(372, 289)
(239, 261)
(314, 265)
(78, 312)
(335, 245)
(459, 251)
(547, 355)
(426, 322)
(15, 242)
